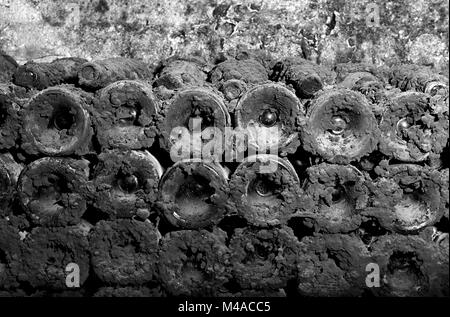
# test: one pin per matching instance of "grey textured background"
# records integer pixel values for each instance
(323, 30)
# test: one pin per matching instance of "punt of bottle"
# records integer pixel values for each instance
(266, 190)
(126, 183)
(53, 191)
(264, 258)
(340, 126)
(43, 75)
(47, 255)
(407, 197)
(57, 121)
(9, 174)
(332, 265)
(268, 113)
(135, 256)
(100, 73)
(411, 131)
(125, 115)
(411, 266)
(338, 192)
(11, 100)
(194, 262)
(193, 194)
(186, 117)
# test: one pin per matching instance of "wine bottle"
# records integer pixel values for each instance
(192, 121)
(266, 190)
(306, 77)
(126, 112)
(43, 75)
(177, 72)
(10, 122)
(333, 265)
(57, 121)
(411, 129)
(126, 183)
(340, 126)
(9, 174)
(53, 191)
(339, 192)
(10, 253)
(100, 73)
(194, 262)
(410, 266)
(269, 114)
(113, 268)
(406, 197)
(193, 194)
(53, 259)
(248, 70)
(264, 258)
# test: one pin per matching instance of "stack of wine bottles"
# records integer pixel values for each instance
(240, 176)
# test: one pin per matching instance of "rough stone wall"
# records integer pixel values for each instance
(326, 31)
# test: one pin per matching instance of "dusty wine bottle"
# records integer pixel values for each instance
(177, 73)
(9, 117)
(10, 251)
(248, 70)
(57, 121)
(8, 66)
(306, 77)
(53, 191)
(43, 75)
(125, 115)
(411, 129)
(9, 174)
(269, 115)
(100, 73)
(194, 262)
(113, 268)
(340, 126)
(266, 190)
(264, 258)
(411, 266)
(193, 194)
(189, 122)
(332, 265)
(339, 192)
(126, 183)
(50, 255)
(406, 197)
(343, 70)
(416, 77)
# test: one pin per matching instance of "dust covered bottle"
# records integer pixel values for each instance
(125, 183)
(193, 194)
(269, 114)
(413, 129)
(53, 191)
(406, 197)
(39, 76)
(306, 77)
(266, 190)
(339, 192)
(9, 174)
(340, 126)
(57, 121)
(126, 113)
(100, 73)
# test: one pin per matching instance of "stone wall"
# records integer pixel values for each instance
(328, 31)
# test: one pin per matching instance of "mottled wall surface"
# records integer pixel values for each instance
(324, 30)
